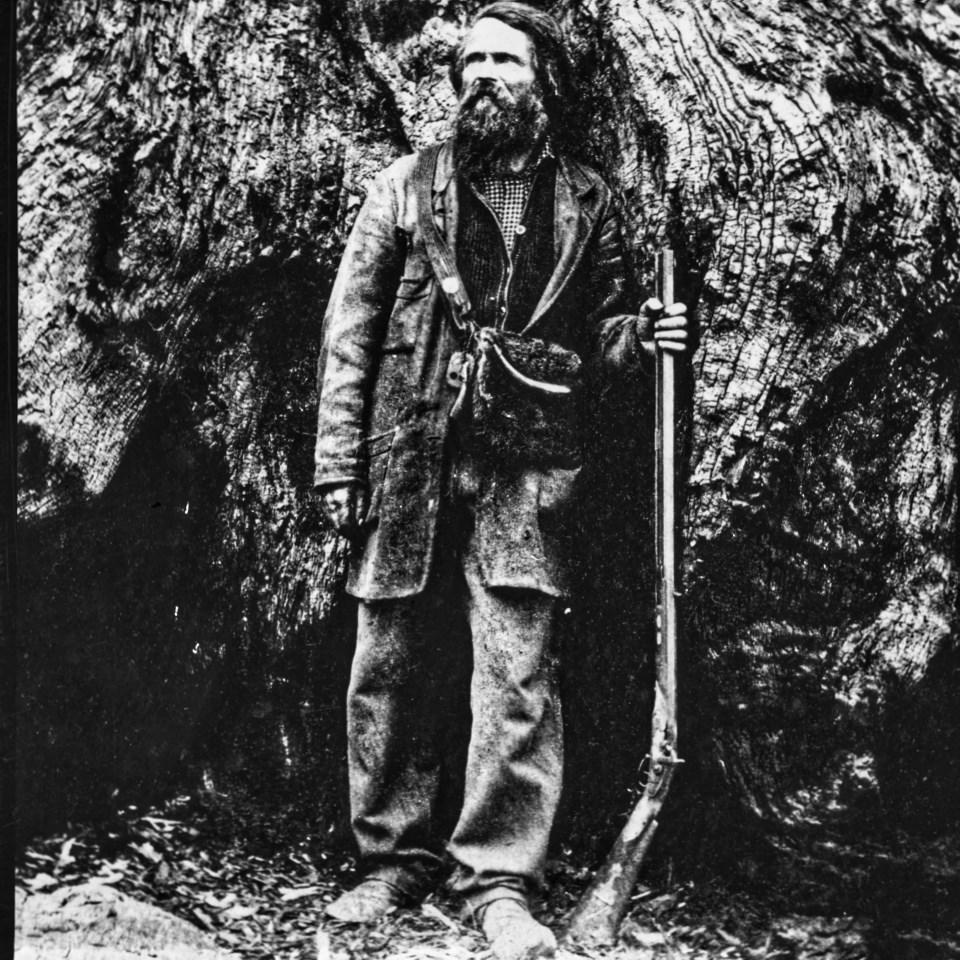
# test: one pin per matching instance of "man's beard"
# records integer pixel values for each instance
(488, 133)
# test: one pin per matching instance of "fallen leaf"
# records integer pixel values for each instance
(42, 881)
(66, 857)
(210, 899)
(729, 937)
(148, 851)
(663, 901)
(239, 912)
(36, 855)
(161, 823)
(431, 911)
(645, 938)
(297, 893)
(791, 934)
(323, 945)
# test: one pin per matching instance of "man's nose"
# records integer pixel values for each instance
(484, 69)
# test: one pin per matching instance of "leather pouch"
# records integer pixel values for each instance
(525, 400)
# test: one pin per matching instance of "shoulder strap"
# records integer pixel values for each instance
(438, 250)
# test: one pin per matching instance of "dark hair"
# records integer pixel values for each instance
(552, 64)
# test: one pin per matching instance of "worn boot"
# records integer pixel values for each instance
(366, 903)
(513, 934)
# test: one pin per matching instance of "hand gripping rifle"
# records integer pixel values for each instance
(598, 914)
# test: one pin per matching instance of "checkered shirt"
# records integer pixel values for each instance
(508, 195)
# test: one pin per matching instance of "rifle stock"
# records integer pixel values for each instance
(597, 916)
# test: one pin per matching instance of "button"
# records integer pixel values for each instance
(521, 230)
(503, 308)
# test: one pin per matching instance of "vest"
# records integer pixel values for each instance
(504, 285)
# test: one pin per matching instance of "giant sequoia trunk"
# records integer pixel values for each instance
(188, 175)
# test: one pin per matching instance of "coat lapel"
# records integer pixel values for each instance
(445, 197)
(575, 212)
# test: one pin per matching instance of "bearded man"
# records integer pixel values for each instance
(502, 230)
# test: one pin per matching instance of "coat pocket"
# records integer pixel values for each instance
(409, 306)
(414, 287)
(378, 454)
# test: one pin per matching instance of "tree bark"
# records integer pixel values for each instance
(189, 172)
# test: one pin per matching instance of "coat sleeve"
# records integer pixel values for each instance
(617, 334)
(354, 329)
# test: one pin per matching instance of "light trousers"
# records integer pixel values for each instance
(515, 755)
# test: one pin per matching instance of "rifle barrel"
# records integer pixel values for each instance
(597, 916)
(666, 511)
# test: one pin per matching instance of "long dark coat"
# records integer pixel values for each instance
(384, 400)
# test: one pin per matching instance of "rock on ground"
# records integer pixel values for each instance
(95, 922)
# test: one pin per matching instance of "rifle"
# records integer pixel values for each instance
(597, 916)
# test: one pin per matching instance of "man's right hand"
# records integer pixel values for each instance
(345, 506)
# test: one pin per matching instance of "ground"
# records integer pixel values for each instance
(263, 899)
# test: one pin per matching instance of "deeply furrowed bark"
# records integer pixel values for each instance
(188, 174)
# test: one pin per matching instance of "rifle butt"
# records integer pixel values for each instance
(597, 917)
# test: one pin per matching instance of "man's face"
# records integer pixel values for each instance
(497, 67)
(501, 112)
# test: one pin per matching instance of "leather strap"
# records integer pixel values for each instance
(438, 250)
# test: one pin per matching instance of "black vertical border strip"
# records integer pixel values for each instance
(8, 500)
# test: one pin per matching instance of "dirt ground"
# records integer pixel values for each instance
(257, 899)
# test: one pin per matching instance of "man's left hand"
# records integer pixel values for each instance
(671, 328)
